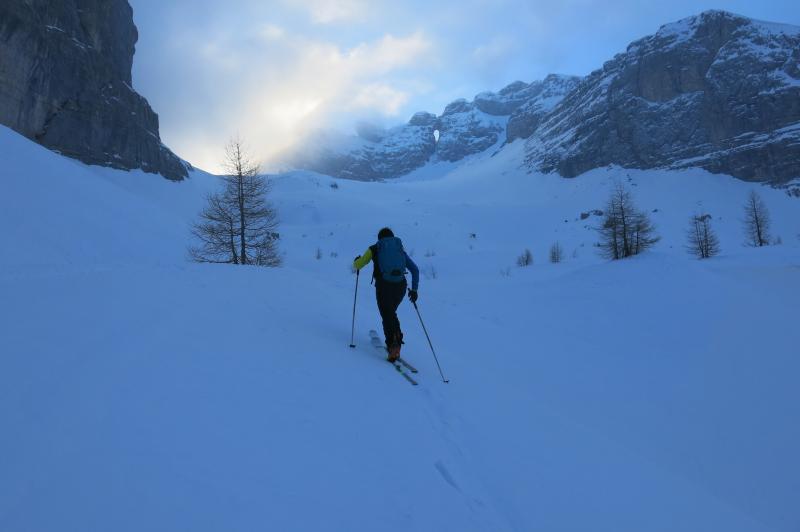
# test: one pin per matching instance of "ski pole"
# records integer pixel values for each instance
(429, 342)
(353, 328)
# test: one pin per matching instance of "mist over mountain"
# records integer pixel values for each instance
(464, 128)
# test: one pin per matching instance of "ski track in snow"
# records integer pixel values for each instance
(142, 392)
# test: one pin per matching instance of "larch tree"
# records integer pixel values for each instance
(756, 220)
(702, 240)
(625, 230)
(238, 224)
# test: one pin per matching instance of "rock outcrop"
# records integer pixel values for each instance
(65, 82)
(508, 99)
(465, 130)
(542, 98)
(717, 91)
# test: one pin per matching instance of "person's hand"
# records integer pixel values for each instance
(412, 295)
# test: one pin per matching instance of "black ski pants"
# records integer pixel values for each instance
(389, 296)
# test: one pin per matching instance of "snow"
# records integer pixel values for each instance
(142, 392)
(772, 28)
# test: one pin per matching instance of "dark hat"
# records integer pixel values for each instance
(384, 233)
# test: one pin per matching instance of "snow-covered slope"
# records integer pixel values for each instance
(142, 392)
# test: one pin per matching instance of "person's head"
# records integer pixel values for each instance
(385, 233)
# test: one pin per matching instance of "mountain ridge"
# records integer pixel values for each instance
(716, 90)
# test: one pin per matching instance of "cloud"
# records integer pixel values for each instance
(390, 53)
(491, 59)
(278, 86)
(499, 48)
(272, 32)
(380, 97)
(333, 11)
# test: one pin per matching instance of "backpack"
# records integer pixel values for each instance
(391, 260)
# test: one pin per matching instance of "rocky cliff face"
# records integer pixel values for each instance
(464, 129)
(717, 91)
(65, 82)
(542, 97)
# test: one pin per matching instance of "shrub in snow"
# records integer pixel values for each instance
(526, 259)
(429, 272)
(626, 231)
(556, 253)
(238, 224)
(756, 221)
(593, 212)
(703, 242)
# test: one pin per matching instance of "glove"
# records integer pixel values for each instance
(412, 295)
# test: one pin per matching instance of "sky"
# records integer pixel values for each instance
(270, 71)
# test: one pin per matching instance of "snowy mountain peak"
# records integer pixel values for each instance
(717, 91)
(687, 28)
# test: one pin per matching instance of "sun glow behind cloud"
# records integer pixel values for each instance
(333, 11)
(281, 86)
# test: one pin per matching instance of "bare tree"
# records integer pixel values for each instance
(216, 233)
(756, 221)
(702, 240)
(238, 224)
(625, 231)
(556, 253)
(526, 259)
(247, 191)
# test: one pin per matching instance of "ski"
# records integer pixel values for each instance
(411, 368)
(398, 364)
(399, 369)
(376, 341)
